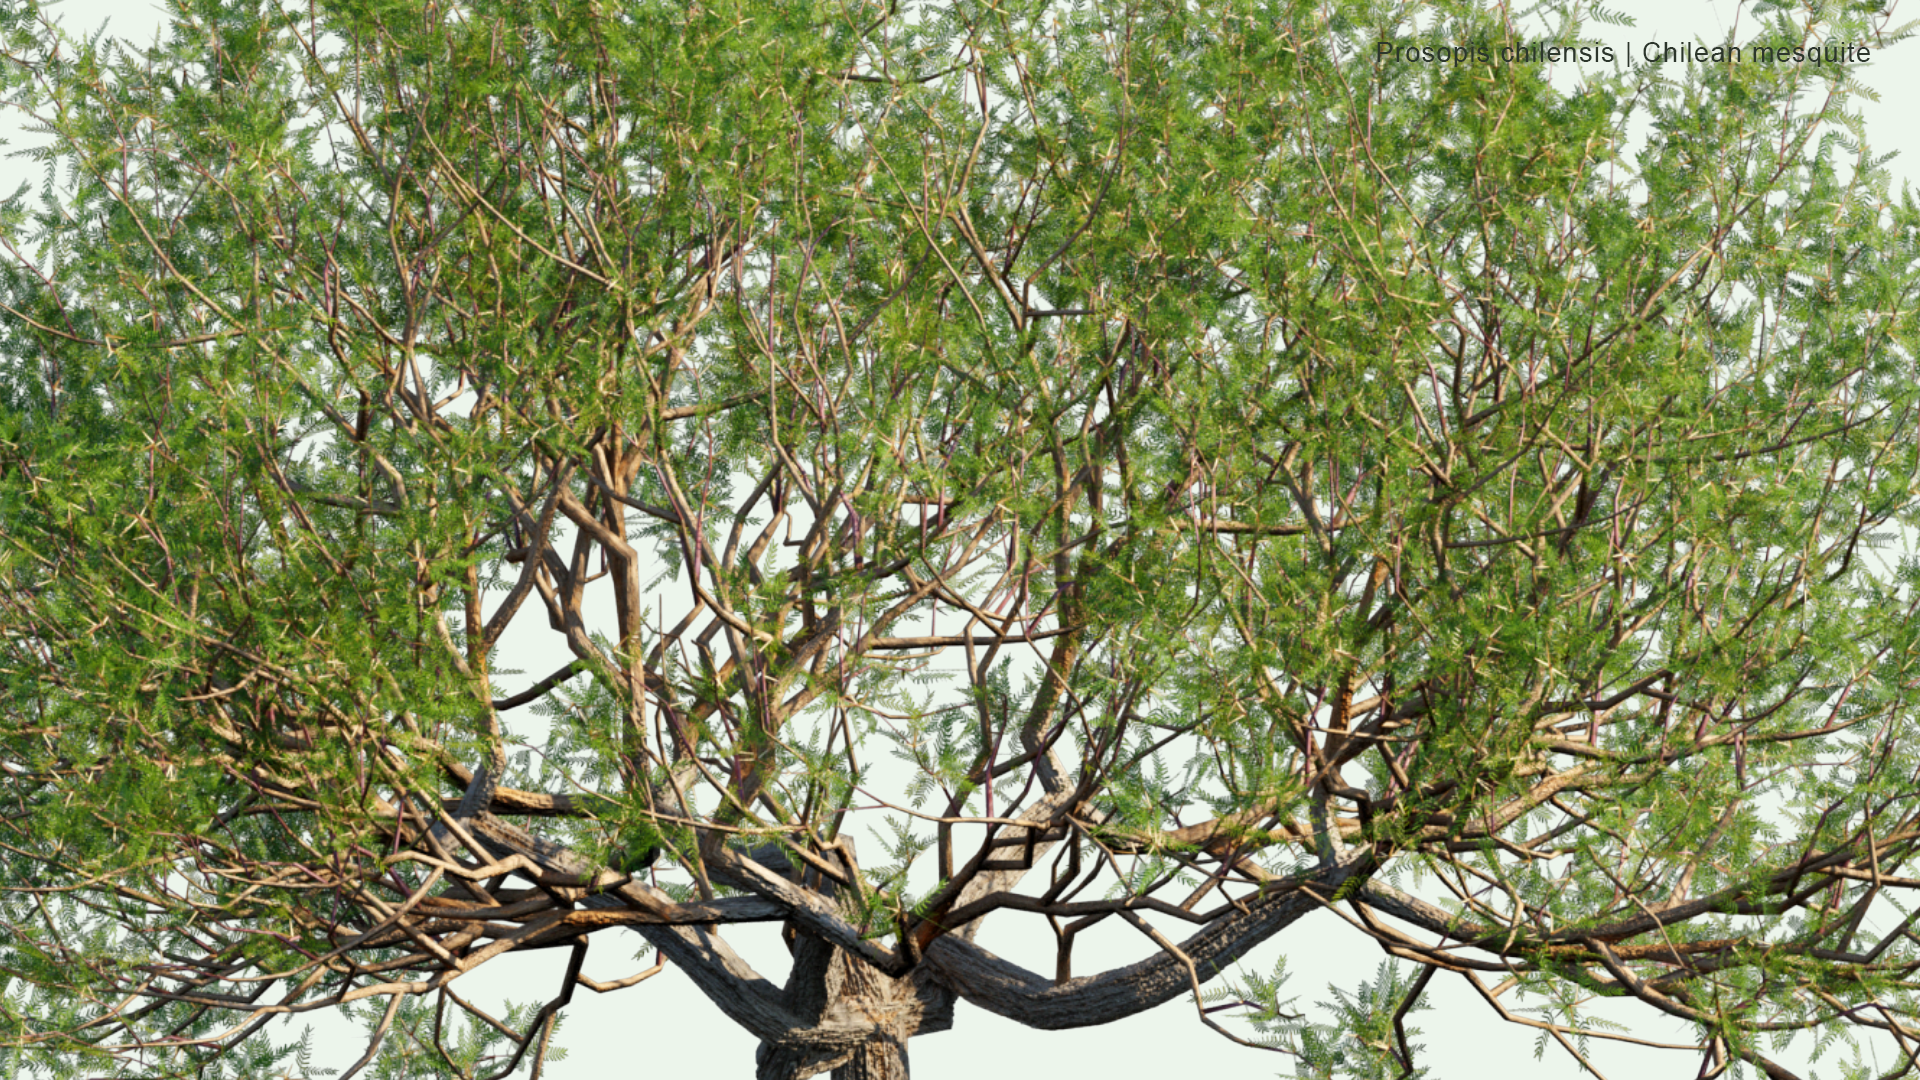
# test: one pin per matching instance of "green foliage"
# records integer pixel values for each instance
(1158, 444)
(1368, 1036)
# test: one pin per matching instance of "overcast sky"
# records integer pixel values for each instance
(665, 1027)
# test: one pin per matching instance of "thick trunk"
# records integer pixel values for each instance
(876, 1060)
(859, 1019)
(863, 992)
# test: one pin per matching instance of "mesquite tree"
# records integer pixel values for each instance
(1148, 468)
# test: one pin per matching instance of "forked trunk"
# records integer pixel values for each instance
(861, 1018)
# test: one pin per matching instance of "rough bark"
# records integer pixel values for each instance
(857, 1019)
(840, 1012)
(876, 1060)
(1014, 992)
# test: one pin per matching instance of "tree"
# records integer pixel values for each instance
(1159, 466)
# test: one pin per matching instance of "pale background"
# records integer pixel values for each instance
(665, 1027)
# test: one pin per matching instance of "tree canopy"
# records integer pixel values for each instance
(491, 476)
